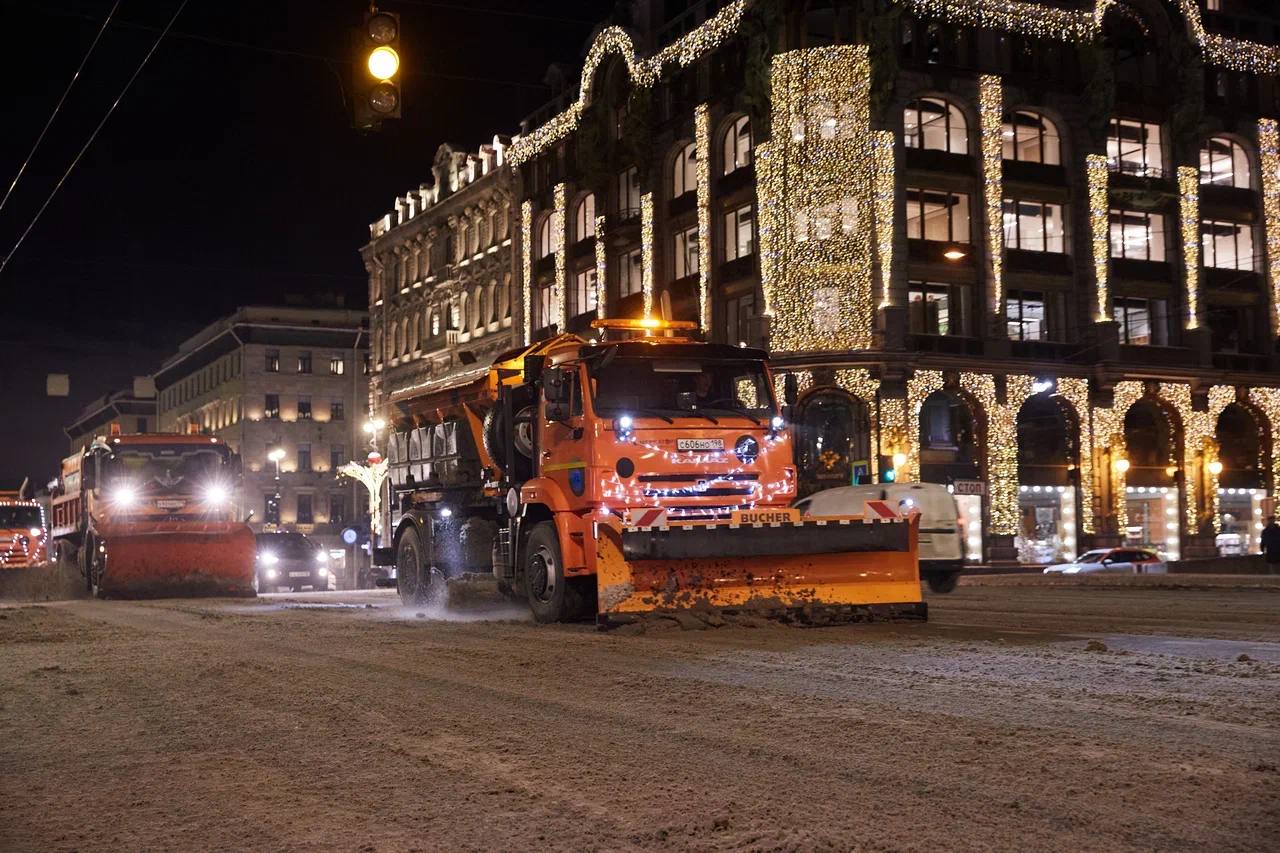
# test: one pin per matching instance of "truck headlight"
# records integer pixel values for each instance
(322, 572)
(124, 496)
(268, 558)
(271, 574)
(216, 494)
(322, 557)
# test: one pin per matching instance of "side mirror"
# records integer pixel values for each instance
(89, 473)
(557, 385)
(1106, 561)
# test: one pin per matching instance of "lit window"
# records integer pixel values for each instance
(739, 237)
(305, 513)
(337, 411)
(684, 172)
(304, 362)
(1024, 311)
(1228, 245)
(1141, 322)
(273, 361)
(630, 271)
(738, 314)
(629, 193)
(937, 215)
(337, 364)
(582, 296)
(584, 218)
(542, 307)
(1224, 163)
(1136, 234)
(1033, 226)
(937, 309)
(935, 125)
(1133, 148)
(545, 246)
(686, 250)
(737, 146)
(1031, 138)
(271, 406)
(304, 408)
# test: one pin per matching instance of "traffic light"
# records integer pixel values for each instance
(375, 72)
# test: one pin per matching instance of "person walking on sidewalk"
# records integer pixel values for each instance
(1270, 541)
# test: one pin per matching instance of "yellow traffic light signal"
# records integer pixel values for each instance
(375, 69)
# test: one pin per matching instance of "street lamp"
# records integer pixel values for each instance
(275, 456)
(373, 427)
(1215, 467)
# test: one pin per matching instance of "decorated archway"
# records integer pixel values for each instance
(1048, 454)
(832, 433)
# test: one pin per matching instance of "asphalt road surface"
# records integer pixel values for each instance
(1020, 718)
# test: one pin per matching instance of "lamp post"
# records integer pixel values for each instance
(373, 427)
(275, 456)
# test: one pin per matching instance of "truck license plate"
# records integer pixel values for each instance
(299, 574)
(171, 504)
(699, 444)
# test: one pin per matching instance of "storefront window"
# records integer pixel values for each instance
(1153, 520)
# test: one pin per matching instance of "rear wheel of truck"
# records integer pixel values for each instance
(942, 581)
(93, 562)
(413, 578)
(552, 596)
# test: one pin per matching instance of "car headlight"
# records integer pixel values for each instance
(322, 572)
(268, 559)
(271, 574)
(216, 494)
(124, 496)
(322, 557)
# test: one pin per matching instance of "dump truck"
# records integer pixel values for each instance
(643, 472)
(147, 516)
(24, 532)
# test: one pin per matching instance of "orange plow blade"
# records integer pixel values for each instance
(822, 570)
(178, 560)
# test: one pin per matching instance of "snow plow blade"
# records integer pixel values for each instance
(178, 560)
(818, 570)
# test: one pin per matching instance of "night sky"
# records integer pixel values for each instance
(230, 173)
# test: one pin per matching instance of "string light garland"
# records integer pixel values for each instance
(646, 251)
(559, 302)
(645, 73)
(919, 386)
(1075, 391)
(1099, 180)
(702, 151)
(1189, 211)
(1268, 401)
(1002, 447)
(859, 382)
(1084, 25)
(526, 267)
(991, 116)
(814, 185)
(1195, 426)
(601, 250)
(372, 476)
(1269, 155)
(884, 164)
(1108, 431)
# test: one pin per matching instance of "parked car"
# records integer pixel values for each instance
(941, 540)
(292, 561)
(1112, 560)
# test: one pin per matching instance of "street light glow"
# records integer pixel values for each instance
(276, 455)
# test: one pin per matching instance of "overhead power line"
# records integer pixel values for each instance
(53, 115)
(93, 135)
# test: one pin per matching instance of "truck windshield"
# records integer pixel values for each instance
(172, 469)
(673, 386)
(14, 517)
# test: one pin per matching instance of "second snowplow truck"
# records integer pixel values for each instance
(621, 478)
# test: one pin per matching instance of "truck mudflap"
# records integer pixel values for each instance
(841, 566)
(178, 560)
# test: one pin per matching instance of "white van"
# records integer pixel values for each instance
(941, 542)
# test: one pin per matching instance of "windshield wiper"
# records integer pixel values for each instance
(652, 413)
(738, 413)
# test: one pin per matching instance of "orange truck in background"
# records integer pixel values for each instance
(148, 516)
(24, 532)
(622, 477)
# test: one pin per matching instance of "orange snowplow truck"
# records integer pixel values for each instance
(621, 478)
(24, 533)
(148, 516)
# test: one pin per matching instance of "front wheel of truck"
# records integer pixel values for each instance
(552, 596)
(413, 578)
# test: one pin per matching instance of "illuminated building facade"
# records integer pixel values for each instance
(1027, 249)
(284, 380)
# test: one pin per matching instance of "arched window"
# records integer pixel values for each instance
(455, 315)
(1224, 163)
(504, 299)
(584, 218)
(684, 172)
(462, 307)
(404, 336)
(936, 125)
(435, 323)
(1031, 138)
(413, 333)
(544, 244)
(461, 244)
(737, 145)
(477, 307)
(473, 238)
